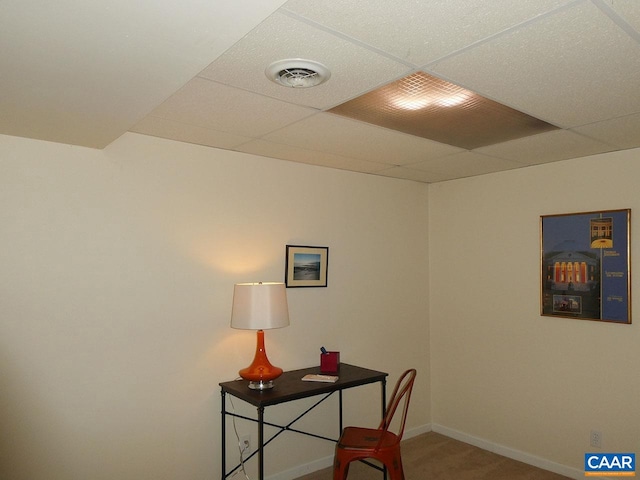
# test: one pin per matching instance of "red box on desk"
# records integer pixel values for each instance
(330, 362)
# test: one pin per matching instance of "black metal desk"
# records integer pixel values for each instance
(289, 387)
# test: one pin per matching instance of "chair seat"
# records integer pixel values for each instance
(356, 438)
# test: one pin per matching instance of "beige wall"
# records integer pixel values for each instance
(117, 273)
(500, 371)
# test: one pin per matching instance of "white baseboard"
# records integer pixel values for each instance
(325, 462)
(511, 453)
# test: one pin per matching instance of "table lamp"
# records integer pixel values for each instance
(260, 306)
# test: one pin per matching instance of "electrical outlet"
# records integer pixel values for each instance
(245, 445)
(596, 439)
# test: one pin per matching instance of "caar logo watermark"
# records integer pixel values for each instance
(610, 464)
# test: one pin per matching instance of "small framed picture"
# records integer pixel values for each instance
(306, 266)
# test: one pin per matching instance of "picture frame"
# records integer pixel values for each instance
(306, 266)
(585, 265)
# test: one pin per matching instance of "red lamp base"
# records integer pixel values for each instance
(260, 373)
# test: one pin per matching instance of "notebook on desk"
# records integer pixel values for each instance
(312, 377)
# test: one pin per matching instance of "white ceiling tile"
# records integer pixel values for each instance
(420, 32)
(465, 164)
(570, 68)
(312, 157)
(212, 105)
(83, 74)
(628, 10)
(182, 132)
(546, 147)
(353, 68)
(412, 174)
(623, 132)
(341, 136)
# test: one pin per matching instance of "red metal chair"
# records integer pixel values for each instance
(380, 444)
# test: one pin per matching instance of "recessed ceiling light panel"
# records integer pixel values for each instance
(429, 107)
(297, 73)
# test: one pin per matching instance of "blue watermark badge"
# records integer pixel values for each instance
(610, 464)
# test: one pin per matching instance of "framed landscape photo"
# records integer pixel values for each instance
(586, 266)
(306, 266)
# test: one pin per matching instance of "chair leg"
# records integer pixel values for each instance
(340, 468)
(394, 467)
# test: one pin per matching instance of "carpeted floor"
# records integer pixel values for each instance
(432, 456)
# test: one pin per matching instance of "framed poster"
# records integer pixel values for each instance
(586, 266)
(306, 266)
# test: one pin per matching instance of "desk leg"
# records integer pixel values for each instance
(340, 414)
(224, 437)
(261, 443)
(384, 411)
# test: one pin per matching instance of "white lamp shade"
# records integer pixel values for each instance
(259, 306)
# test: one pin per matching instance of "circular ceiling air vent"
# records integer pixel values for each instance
(297, 73)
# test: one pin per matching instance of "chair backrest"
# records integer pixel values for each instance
(401, 392)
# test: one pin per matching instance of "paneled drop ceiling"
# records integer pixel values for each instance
(194, 71)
